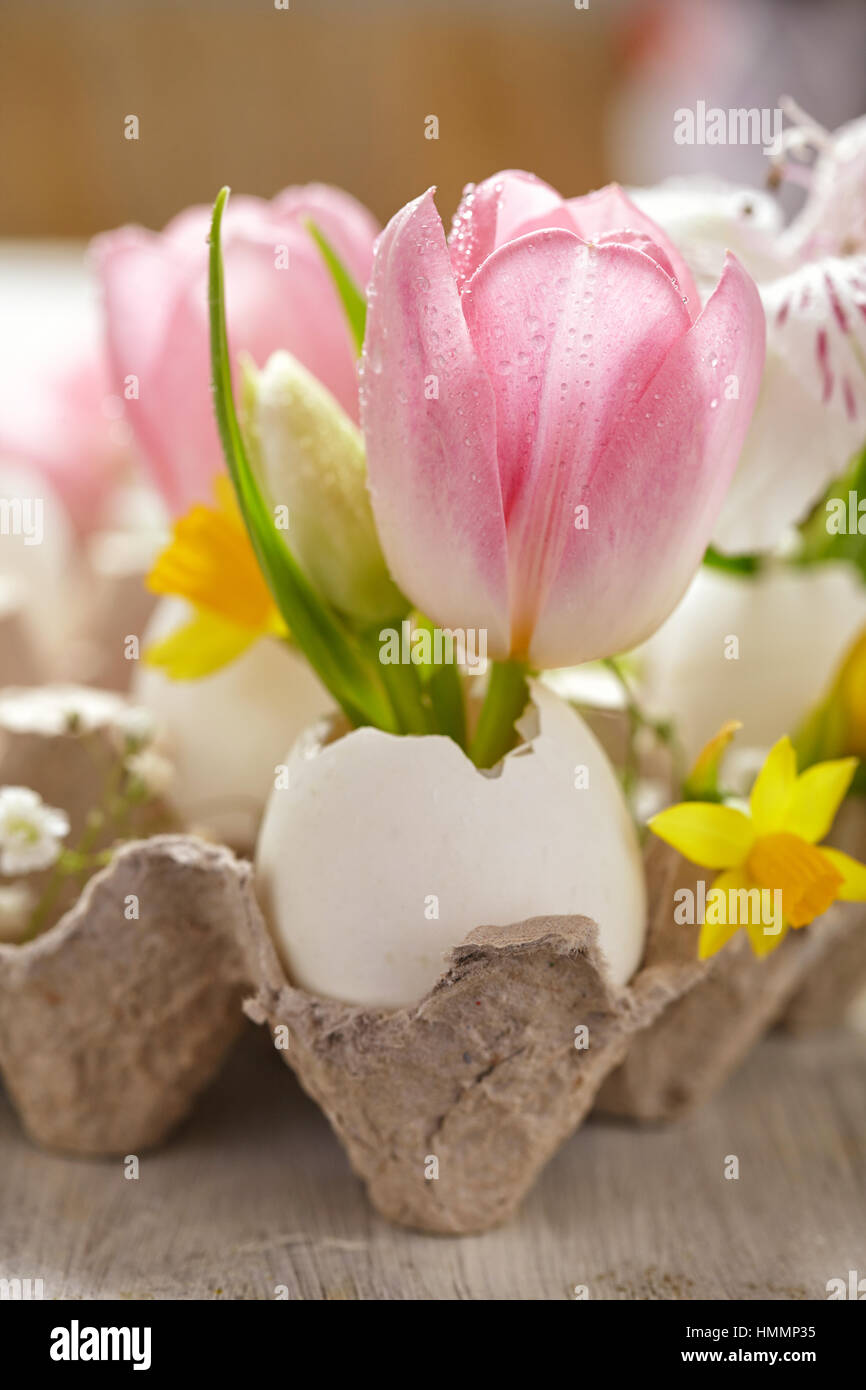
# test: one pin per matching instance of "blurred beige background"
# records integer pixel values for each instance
(246, 94)
(240, 92)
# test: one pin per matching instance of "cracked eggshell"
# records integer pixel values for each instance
(793, 627)
(383, 853)
(226, 733)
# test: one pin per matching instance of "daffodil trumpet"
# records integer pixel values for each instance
(771, 848)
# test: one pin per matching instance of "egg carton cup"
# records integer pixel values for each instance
(832, 987)
(68, 767)
(112, 1024)
(449, 1109)
(690, 1050)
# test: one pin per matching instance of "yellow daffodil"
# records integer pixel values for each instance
(211, 564)
(773, 847)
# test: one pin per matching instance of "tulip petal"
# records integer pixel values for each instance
(429, 422)
(718, 837)
(154, 286)
(609, 211)
(61, 423)
(513, 203)
(501, 208)
(349, 226)
(816, 797)
(657, 476)
(553, 321)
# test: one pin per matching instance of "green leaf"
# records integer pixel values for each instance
(732, 564)
(817, 543)
(351, 295)
(327, 645)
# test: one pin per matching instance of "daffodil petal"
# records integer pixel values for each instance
(714, 935)
(853, 873)
(763, 941)
(817, 795)
(719, 837)
(773, 788)
(202, 646)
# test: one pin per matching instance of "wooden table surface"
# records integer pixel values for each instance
(254, 1192)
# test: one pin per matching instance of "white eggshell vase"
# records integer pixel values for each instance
(446, 955)
(380, 854)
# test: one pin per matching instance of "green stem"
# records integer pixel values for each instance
(660, 729)
(71, 862)
(45, 903)
(446, 697)
(403, 686)
(82, 860)
(505, 701)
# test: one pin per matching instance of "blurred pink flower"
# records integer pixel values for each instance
(279, 295)
(67, 426)
(551, 420)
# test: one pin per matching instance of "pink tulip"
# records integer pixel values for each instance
(279, 293)
(555, 358)
(66, 426)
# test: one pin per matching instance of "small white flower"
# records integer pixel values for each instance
(16, 904)
(57, 709)
(134, 726)
(151, 769)
(30, 831)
